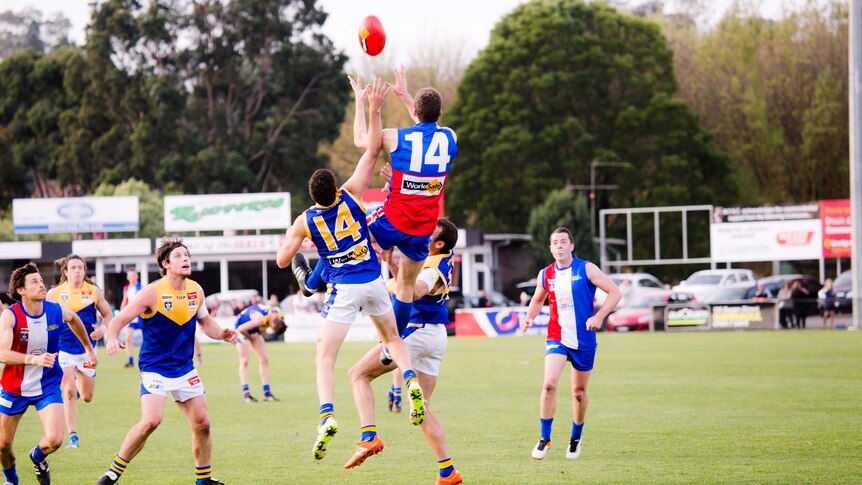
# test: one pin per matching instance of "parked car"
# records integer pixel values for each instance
(704, 283)
(638, 282)
(733, 293)
(637, 312)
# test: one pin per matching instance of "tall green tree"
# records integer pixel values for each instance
(563, 83)
(774, 95)
(30, 29)
(562, 208)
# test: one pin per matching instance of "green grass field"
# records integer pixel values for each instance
(719, 407)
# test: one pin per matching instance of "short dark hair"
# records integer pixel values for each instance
(566, 231)
(428, 104)
(163, 253)
(321, 187)
(448, 234)
(19, 276)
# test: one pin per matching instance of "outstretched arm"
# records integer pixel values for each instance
(361, 177)
(293, 240)
(360, 94)
(400, 90)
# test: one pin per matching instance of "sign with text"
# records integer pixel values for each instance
(224, 212)
(773, 233)
(835, 219)
(75, 214)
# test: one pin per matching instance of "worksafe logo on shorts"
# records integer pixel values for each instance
(427, 186)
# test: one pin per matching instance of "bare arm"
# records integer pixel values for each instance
(400, 90)
(360, 93)
(602, 281)
(294, 236)
(212, 329)
(104, 310)
(255, 321)
(361, 177)
(143, 301)
(11, 357)
(535, 307)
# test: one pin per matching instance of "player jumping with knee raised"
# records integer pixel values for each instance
(336, 225)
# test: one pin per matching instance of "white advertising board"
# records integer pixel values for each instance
(787, 240)
(112, 247)
(232, 244)
(75, 214)
(221, 212)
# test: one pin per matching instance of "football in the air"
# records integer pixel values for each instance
(372, 37)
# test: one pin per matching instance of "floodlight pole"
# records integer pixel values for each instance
(855, 68)
(593, 165)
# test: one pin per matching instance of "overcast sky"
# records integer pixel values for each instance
(408, 23)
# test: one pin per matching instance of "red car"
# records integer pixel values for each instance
(634, 313)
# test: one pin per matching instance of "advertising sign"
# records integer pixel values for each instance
(835, 220)
(75, 214)
(756, 316)
(116, 247)
(232, 244)
(679, 315)
(496, 322)
(222, 212)
(774, 233)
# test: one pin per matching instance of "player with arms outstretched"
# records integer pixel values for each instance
(421, 158)
(571, 284)
(336, 225)
(77, 292)
(171, 308)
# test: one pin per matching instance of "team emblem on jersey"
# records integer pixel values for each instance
(551, 285)
(576, 277)
(64, 296)
(25, 334)
(53, 326)
(168, 305)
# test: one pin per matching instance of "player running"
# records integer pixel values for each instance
(421, 158)
(336, 224)
(78, 293)
(29, 341)
(171, 308)
(571, 284)
(426, 338)
(250, 324)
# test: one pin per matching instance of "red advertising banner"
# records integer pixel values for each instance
(835, 220)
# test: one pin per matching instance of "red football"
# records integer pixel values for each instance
(372, 38)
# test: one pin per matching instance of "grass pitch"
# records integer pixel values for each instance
(717, 407)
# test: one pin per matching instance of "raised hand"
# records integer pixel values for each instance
(400, 86)
(359, 90)
(378, 92)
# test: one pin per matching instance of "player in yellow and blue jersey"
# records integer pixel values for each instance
(171, 308)
(250, 325)
(78, 293)
(425, 336)
(336, 224)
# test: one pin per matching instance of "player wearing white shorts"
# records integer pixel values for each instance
(78, 293)
(337, 227)
(171, 308)
(425, 336)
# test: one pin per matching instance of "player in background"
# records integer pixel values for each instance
(129, 292)
(171, 308)
(571, 283)
(421, 158)
(336, 225)
(78, 293)
(426, 338)
(29, 343)
(250, 324)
